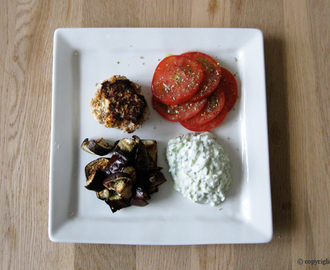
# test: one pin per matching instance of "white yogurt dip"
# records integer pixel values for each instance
(199, 167)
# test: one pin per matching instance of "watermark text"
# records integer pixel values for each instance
(313, 262)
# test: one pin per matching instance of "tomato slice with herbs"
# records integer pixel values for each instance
(228, 84)
(176, 79)
(176, 113)
(211, 124)
(211, 71)
(212, 108)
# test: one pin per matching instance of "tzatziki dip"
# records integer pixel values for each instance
(199, 167)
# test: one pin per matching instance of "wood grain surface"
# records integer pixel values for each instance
(297, 54)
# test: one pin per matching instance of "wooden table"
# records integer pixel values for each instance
(297, 50)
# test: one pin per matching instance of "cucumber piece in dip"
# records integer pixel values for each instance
(199, 167)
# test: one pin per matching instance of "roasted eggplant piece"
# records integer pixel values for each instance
(95, 174)
(115, 177)
(127, 192)
(126, 145)
(116, 205)
(131, 172)
(116, 202)
(151, 147)
(142, 160)
(128, 176)
(140, 198)
(117, 182)
(117, 162)
(99, 147)
(121, 182)
(156, 179)
(103, 194)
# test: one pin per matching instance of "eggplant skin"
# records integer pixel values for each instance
(140, 198)
(151, 148)
(142, 160)
(118, 204)
(156, 179)
(95, 174)
(99, 147)
(117, 162)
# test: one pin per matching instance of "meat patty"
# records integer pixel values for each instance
(119, 103)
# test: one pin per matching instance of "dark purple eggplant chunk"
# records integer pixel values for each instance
(117, 182)
(116, 202)
(142, 161)
(156, 179)
(151, 148)
(117, 162)
(95, 174)
(140, 198)
(116, 176)
(99, 147)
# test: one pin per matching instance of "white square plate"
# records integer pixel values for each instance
(85, 57)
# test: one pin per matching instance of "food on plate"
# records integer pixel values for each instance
(212, 108)
(211, 72)
(181, 112)
(218, 86)
(176, 79)
(95, 172)
(119, 103)
(208, 125)
(228, 84)
(199, 167)
(99, 147)
(128, 176)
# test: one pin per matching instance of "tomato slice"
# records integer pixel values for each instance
(211, 124)
(212, 74)
(229, 86)
(212, 108)
(176, 113)
(176, 79)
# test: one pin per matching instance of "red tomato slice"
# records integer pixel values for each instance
(211, 124)
(176, 79)
(176, 113)
(229, 86)
(212, 108)
(212, 74)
